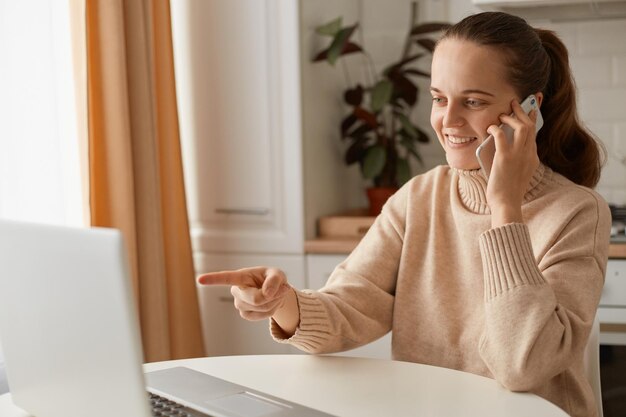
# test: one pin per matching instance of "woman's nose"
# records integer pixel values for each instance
(453, 115)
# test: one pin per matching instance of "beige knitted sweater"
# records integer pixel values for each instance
(514, 303)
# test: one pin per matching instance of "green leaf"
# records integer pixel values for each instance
(403, 171)
(409, 144)
(408, 126)
(339, 42)
(381, 94)
(374, 161)
(329, 29)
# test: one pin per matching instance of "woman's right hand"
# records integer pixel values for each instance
(259, 293)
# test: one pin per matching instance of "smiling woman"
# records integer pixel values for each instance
(499, 278)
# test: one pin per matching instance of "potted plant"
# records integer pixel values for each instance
(381, 137)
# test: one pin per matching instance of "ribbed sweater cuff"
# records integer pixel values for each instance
(313, 330)
(508, 259)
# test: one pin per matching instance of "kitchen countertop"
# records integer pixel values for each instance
(346, 245)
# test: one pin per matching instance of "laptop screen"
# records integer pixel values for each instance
(68, 324)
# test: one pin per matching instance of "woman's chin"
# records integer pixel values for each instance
(462, 163)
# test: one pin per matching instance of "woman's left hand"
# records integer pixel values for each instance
(513, 166)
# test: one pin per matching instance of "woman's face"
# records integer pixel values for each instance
(469, 91)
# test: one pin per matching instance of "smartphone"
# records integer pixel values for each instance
(487, 150)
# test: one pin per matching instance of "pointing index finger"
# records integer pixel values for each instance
(227, 278)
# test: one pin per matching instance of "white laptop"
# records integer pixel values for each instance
(70, 335)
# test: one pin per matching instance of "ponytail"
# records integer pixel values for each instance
(537, 61)
(563, 143)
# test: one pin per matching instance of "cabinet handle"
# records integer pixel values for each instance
(249, 211)
(227, 299)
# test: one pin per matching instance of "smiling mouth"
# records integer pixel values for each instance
(460, 140)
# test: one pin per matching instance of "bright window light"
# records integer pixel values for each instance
(39, 155)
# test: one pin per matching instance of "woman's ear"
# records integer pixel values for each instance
(539, 96)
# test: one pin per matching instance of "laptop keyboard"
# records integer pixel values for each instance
(162, 407)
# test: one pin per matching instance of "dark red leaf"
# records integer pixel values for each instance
(398, 65)
(354, 96)
(351, 48)
(422, 136)
(356, 151)
(367, 117)
(414, 71)
(405, 89)
(429, 28)
(429, 44)
(347, 123)
(360, 132)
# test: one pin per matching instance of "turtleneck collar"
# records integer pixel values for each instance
(472, 188)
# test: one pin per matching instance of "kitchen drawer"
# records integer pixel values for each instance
(319, 268)
(614, 291)
(612, 307)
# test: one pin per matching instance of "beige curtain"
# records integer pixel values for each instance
(135, 168)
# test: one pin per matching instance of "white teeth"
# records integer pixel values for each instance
(458, 140)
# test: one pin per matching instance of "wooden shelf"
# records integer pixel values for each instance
(617, 250)
(341, 233)
(330, 245)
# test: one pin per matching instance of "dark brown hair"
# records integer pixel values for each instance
(538, 61)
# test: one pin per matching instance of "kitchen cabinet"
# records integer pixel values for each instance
(238, 90)
(237, 66)
(612, 308)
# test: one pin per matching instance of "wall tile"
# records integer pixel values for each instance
(567, 32)
(618, 196)
(619, 71)
(592, 71)
(602, 104)
(619, 140)
(598, 37)
(613, 174)
(384, 16)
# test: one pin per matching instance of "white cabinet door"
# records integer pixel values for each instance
(225, 332)
(612, 309)
(238, 91)
(319, 268)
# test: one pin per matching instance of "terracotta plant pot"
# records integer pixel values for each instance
(377, 197)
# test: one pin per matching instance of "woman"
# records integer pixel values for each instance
(499, 278)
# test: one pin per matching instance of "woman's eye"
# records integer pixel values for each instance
(473, 103)
(438, 100)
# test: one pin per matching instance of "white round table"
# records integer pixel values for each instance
(358, 387)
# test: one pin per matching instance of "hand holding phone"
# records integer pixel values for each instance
(487, 150)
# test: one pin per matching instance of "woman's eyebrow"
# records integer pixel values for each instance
(472, 91)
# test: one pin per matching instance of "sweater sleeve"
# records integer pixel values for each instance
(355, 306)
(538, 315)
